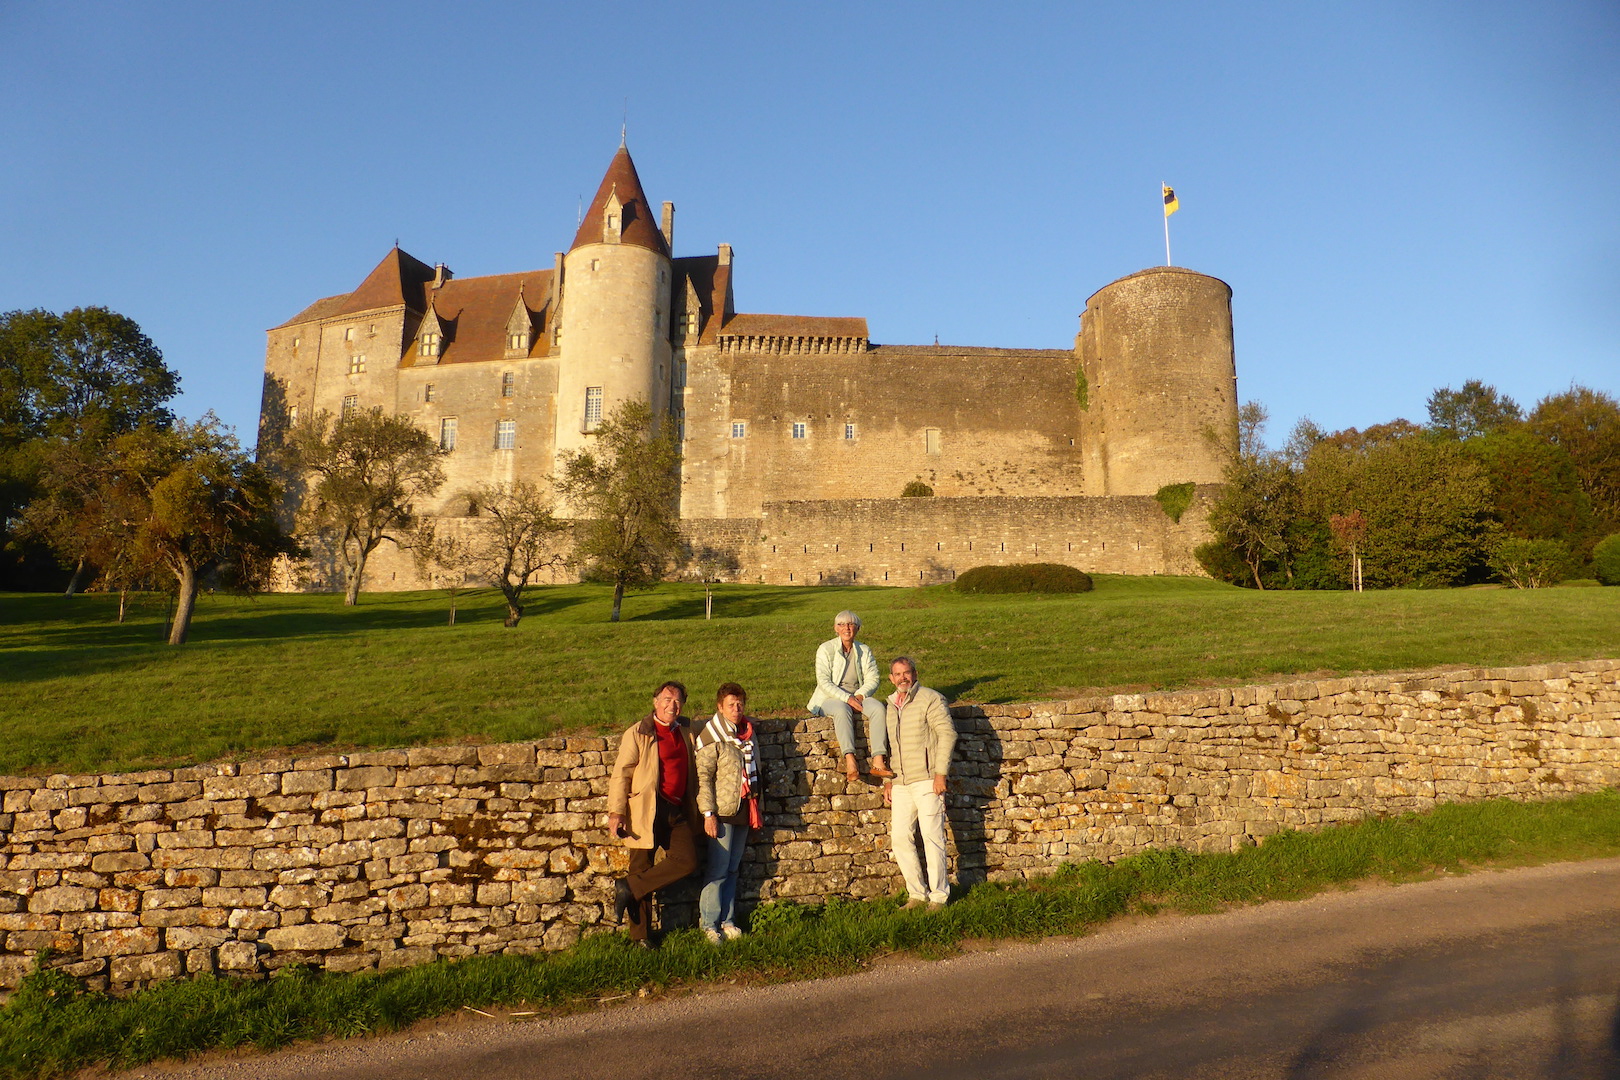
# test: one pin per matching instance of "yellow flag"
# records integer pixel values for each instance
(1170, 203)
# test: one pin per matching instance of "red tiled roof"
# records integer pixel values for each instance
(398, 279)
(640, 227)
(712, 283)
(474, 314)
(812, 326)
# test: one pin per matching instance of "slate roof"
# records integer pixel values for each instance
(639, 224)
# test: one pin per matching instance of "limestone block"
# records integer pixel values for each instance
(308, 937)
(371, 776)
(62, 898)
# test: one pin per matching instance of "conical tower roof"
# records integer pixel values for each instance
(398, 279)
(639, 226)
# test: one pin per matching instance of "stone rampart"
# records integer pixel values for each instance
(395, 857)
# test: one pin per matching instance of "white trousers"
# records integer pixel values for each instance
(918, 809)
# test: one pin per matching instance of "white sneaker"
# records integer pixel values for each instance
(712, 934)
(731, 930)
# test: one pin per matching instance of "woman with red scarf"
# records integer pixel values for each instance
(729, 791)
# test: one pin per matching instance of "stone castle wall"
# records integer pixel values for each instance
(395, 857)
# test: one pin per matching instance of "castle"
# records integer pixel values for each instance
(797, 432)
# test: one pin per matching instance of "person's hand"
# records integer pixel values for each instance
(939, 785)
(856, 701)
(711, 826)
(615, 825)
(888, 793)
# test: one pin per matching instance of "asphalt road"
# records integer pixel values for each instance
(1511, 975)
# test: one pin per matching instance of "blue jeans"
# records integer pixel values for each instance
(717, 903)
(839, 712)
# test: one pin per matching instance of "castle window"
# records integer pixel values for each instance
(801, 430)
(447, 433)
(596, 264)
(520, 342)
(508, 381)
(430, 344)
(849, 431)
(357, 365)
(931, 440)
(593, 407)
(351, 402)
(292, 416)
(506, 435)
(295, 342)
(427, 392)
(680, 375)
(348, 334)
(739, 429)
(692, 323)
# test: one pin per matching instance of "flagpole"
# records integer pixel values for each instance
(1167, 261)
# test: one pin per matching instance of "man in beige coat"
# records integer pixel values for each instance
(652, 804)
(921, 740)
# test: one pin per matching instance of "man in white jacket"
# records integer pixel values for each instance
(923, 737)
(846, 680)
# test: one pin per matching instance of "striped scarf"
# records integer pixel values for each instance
(717, 730)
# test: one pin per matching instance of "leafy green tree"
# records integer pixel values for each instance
(1531, 564)
(1427, 507)
(192, 503)
(1259, 501)
(1474, 410)
(1586, 424)
(79, 378)
(1534, 486)
(366, 471)
(625, 488)
(1606, 560)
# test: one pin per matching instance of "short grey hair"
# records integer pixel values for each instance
(907, 661)
(847, 617)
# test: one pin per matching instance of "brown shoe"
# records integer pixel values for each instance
(852, 769)
(880, 768)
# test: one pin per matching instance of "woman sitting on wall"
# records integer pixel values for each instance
(729, 791)
(846, 684)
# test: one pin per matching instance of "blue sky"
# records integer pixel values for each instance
(1402, 196)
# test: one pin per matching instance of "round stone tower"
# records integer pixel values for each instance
(615, 342)
(1160, 385)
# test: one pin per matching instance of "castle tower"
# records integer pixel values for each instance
(1160, 383)
(615, 339)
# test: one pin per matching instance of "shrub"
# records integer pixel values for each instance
(1024, 578)
(1531, 564)
(1174, 499)
(1606, 560)
(916, 490)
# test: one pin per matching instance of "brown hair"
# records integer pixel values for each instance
(679, 688)
(729, 689)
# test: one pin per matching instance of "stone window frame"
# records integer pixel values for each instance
(357, 364)
(739, 429)
(429, 392)
(448, 430)
(800, 430)
(593, 408)
(430, 343)
(849, 432)
(506, 435)
(508, 383)
(931, 440)
(351, 405)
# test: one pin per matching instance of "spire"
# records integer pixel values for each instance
(636, 224)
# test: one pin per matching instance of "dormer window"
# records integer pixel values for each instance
(518, 343)
(432, 343)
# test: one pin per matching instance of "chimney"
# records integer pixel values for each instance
(725, 254)
(441, 274)
(668, 228)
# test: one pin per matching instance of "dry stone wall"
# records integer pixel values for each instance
(395, 857)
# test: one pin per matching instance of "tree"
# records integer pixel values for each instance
(1350, 531)
(367, 471)
(514, 538)
(80, 378)
(1254, 509)
(1586, 423)
(625, 487)
(445, 558)
(1530, 564)
(1535, 489)
(192, 504)
(1474, 410)
(1606, 560)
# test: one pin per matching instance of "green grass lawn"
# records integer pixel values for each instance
(78, 692)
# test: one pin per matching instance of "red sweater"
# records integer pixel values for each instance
(672, 762)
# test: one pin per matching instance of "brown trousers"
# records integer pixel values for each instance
(677, 836)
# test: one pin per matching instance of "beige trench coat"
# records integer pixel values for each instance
(633, 786)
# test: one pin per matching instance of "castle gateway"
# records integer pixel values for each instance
(795, 442)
